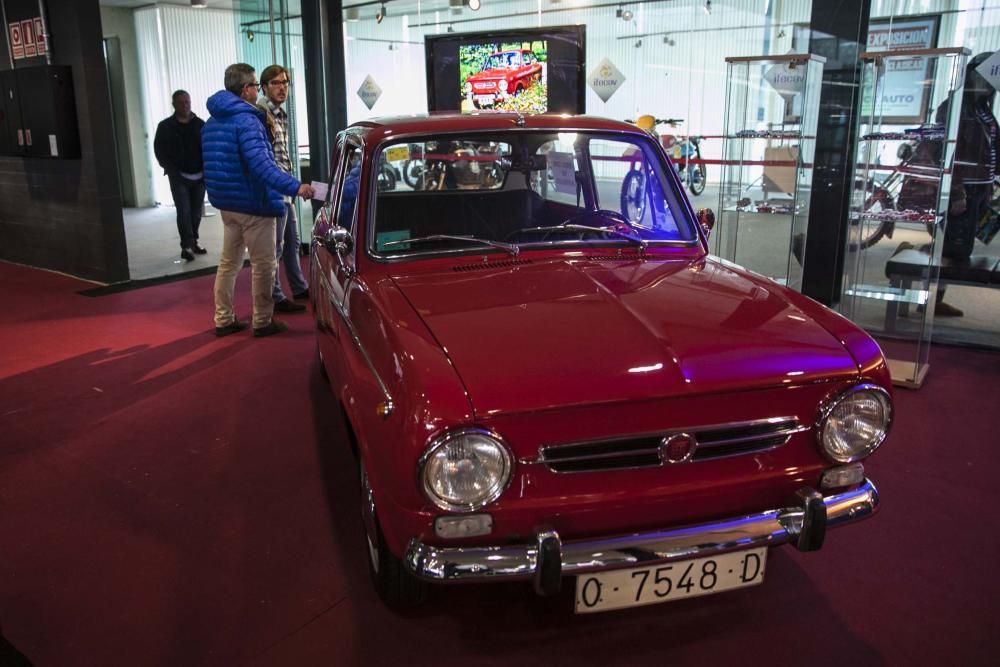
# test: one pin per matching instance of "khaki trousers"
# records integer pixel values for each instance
(255, 234)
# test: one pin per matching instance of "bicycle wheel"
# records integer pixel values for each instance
(634, 196)
(870, 230)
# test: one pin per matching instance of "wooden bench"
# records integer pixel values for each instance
(914, 265)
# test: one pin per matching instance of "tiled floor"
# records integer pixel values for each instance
(154, 247)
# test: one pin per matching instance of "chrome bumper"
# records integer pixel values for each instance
(548, 559)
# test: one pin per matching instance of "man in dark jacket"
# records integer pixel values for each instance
(177, 147)
(247, 187)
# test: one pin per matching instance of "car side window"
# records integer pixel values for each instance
(350, 185)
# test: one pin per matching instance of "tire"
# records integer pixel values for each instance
(633, 197)
(394, 584)
(697, 184)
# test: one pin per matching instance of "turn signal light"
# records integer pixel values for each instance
(453, 527)
(842, 476)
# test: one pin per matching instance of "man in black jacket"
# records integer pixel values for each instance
(178, 150)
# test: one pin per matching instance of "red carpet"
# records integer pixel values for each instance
(169, 498)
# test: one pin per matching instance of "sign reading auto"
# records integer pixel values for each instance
(27, 38)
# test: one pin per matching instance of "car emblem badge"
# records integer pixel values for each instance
(677, 448)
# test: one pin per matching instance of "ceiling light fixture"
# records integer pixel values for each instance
(638, 43)
(623, 14)
(199, 4)
(668, 41)
(708, 6)
(250, 35)
(381, 14)
(474, 5)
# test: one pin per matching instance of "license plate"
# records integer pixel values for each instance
(603, 591)
(484, 99)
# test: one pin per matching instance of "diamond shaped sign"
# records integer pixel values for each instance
(369, 92)
(990, 69)
(605, 79)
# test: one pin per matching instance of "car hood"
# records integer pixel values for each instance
(559, 333)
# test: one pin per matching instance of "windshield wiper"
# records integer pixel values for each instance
(509, 247)
(574, 227)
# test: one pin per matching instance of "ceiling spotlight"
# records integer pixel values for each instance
(474, 5)
(708, 6)
(668, 41)
(199, 4)
(781, 33)
(250, 35)
(381, 14)
(638, 43)
(451, 28)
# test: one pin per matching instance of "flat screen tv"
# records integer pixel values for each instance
(533, 70)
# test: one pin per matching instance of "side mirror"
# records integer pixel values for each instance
(339, 240)
(706, 217)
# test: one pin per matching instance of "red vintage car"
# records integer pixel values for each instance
(539, 388)
(503, 74)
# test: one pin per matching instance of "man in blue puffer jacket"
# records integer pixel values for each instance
(247, 187)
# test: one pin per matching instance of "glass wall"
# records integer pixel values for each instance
(967, 308)
(185, 48)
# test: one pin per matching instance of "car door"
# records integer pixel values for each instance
(335, 269)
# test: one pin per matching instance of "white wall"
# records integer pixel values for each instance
(684, 80)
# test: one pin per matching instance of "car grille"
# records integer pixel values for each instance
(714, 442)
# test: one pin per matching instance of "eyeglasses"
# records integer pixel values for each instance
(255, 85)
(283, 83)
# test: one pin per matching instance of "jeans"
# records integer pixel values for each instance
(189, 198)
(256, 234)
(287, 253)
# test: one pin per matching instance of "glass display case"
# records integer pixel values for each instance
(902, 185)
(769, 142)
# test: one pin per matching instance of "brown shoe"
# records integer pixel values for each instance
(943, 309)
(273, 327)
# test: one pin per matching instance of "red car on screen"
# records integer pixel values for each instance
(544, 381)
(503, 74)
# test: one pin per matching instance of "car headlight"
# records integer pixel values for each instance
(855, 423)
(503, 85)
(465, 470)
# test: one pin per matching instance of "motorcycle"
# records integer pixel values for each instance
(684, 150)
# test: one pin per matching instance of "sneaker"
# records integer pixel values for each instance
(198, 250)
(302, 296)
(187, 254)
(273, 327)
(233, 327)
(288, 306)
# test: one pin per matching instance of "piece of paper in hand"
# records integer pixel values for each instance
(319, 190)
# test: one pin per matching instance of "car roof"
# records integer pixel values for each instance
(377, 129)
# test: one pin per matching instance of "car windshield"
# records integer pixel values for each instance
(502, 61)
(524, 189)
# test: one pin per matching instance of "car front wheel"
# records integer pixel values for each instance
(393, 582)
